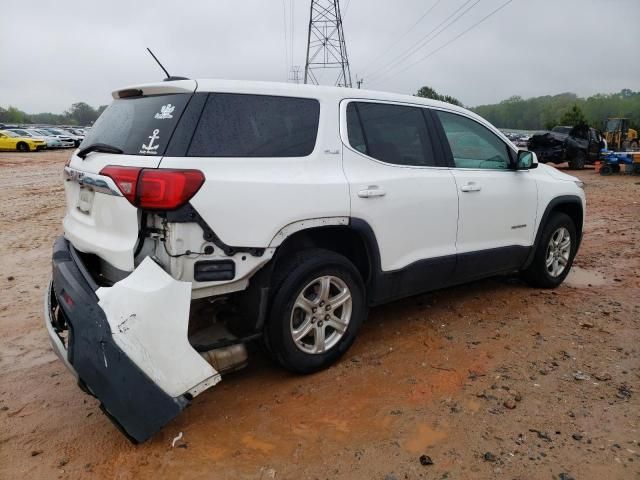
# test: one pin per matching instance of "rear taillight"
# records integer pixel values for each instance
(155, 189)
(126, 179)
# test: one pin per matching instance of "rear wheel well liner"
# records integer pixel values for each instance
(342, 239)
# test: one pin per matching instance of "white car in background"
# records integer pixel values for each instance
(60, 142)
(203, 215)
(76, 132)
(56, 132)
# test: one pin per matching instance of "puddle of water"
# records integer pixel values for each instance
(579, 277)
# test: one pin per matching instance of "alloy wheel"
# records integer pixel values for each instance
(558, 252)
(320, 315)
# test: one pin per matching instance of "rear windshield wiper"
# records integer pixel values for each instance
(98, 147)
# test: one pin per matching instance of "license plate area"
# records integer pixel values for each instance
(85, 200)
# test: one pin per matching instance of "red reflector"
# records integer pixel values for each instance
(155, 189)
(165, 189)
(67, 299)
(126, 178)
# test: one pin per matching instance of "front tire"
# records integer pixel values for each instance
(554, 253)
(577, 162)
(318, 307)
(22, 147)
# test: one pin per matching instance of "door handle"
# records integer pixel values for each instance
(372, 191)
(471, 187)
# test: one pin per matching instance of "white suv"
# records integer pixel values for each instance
(203, 215)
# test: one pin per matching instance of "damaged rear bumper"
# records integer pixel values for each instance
(127, 344)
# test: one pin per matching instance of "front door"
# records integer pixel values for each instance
(498, 205)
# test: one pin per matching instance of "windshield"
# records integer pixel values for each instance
(138, 125)
(613, 125)
(561, 129)
(9, 133)
(41, 132)
(56, 132)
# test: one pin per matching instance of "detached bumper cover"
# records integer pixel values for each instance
(82, 337)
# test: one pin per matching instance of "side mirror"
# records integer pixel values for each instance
(526, 160)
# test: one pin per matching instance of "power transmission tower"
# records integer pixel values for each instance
(326, 48)
(295, 74)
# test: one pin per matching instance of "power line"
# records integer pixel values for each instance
(346, 6)
(457, 36)
(383, 71)
(293, 27)
(406, 32)
(286, 42)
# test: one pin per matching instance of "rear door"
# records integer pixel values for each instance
(498, 205)
(140, 122)
(402, 191)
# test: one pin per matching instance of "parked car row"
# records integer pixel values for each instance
(518, 139)
(30, 138)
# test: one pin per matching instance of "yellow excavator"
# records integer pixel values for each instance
(619, 136)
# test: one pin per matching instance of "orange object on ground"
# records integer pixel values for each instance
(598, 164)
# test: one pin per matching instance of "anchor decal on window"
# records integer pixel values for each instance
(151, 149)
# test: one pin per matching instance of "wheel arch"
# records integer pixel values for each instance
(570, 205)
(352, 238)
(344, 238)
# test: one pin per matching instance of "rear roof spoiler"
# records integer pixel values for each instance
(170, 85)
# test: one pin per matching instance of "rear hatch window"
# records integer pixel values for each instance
(139, 125)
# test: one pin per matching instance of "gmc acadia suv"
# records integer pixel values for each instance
(202, 215)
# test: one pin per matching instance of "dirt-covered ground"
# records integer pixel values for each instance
(489, 380)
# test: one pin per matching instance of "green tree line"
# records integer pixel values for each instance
(78, 114)
(550, 110)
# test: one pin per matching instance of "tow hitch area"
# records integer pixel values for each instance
(127, 344)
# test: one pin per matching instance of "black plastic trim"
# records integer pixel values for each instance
(554, 203)
(214, 270)
(186, 127)
(137, 406)
(445, 149)
(433, 273)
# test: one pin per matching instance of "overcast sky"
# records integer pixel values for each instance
(54, 53)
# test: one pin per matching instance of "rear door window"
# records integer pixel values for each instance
(390, 133)
(239, 125)
(139, 125)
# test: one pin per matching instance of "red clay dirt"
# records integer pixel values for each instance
(490, 380)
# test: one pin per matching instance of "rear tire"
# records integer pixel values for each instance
(606, 170)
(577, 162)
(554, 253)
(22, 147)
(321, 293)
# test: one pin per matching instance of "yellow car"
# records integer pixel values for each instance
(12, 141)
